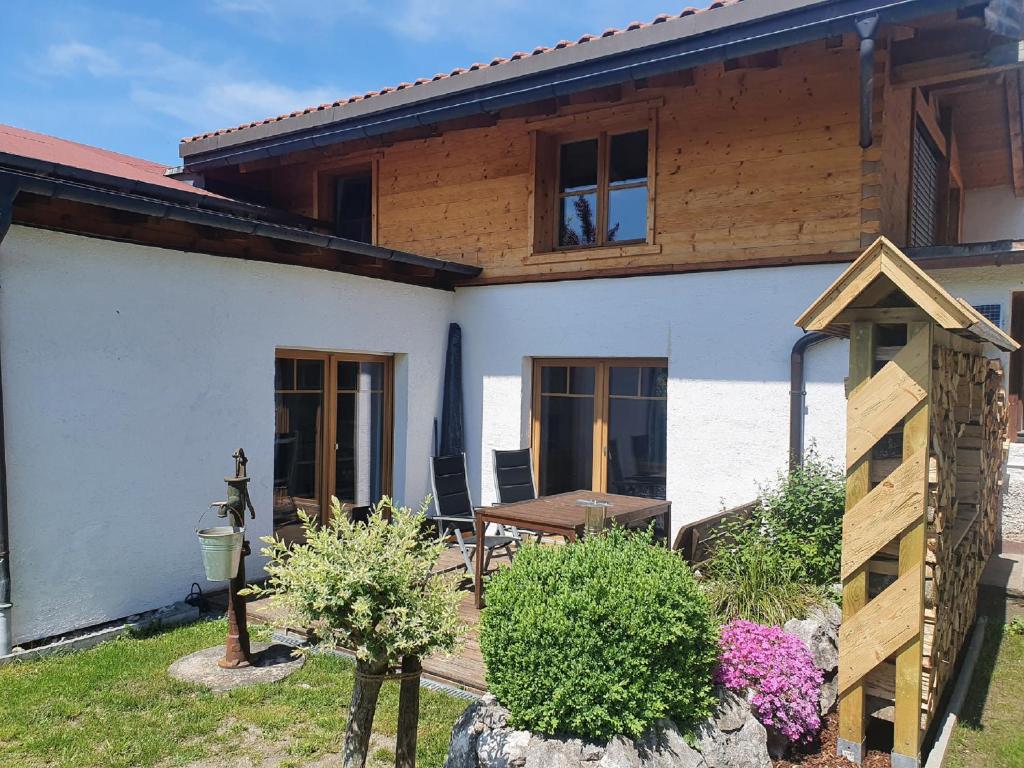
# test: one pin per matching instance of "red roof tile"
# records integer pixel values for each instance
(50, 149)
(496, 62)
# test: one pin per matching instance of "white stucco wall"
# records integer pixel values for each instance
(993, 213)
(130, 374)
(727, 337)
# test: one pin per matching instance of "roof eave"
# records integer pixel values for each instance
(728, 32)
(137, 197)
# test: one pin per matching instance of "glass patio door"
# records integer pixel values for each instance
(601, 425)
(334, 431)
(567, 412)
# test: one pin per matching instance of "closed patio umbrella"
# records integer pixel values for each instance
(452, 436)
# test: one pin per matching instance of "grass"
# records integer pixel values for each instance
(990, 730)
(114, 705)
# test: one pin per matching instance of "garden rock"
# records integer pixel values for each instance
(482, 738)
(732, 737)
(820, 633)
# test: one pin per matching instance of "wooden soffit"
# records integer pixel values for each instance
(876, 274)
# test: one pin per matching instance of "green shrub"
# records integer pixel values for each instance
(803, 513)
(599, 638)
(749, 576)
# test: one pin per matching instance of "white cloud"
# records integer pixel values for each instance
(200, 94)
(219, 104)
(75, 56)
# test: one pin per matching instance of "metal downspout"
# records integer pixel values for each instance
(798, 395)
(7, 194)
(866, 29)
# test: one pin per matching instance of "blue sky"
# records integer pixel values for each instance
(137, 76)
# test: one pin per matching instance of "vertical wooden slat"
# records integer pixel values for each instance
(852, 720)
(907, 718)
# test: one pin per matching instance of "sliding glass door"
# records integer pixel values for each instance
(601, 425)
(333, 431)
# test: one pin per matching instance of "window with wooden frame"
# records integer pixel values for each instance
(594, 188)
(600, 425)
(334, 415)
(347, 201)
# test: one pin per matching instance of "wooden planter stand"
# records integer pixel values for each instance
(925, 451)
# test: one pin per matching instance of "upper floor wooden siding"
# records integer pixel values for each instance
(753, 163)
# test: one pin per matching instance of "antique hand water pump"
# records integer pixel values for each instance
(236, 647)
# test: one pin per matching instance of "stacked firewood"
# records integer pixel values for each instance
(967, 457)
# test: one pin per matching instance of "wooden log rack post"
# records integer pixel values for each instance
(925, 449)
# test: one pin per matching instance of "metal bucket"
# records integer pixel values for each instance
(222, 551)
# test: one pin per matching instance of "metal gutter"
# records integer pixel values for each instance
(788, 24)
(8, 192)
(798, 395)
(150, 206)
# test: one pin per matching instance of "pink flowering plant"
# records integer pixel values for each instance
(779, 672)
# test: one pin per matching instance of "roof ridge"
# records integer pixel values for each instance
(497, 61)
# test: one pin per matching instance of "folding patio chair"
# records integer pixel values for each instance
(454, 512)
(513, 480)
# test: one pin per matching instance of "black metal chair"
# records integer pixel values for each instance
(513, 476)
(513, 480)
(454, 511)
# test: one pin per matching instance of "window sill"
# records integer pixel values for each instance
(594, 253)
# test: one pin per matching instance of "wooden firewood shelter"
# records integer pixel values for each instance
(925, 456)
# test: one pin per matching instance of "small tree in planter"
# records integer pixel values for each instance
(370, 588)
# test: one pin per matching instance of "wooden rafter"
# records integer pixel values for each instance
(1011, 85)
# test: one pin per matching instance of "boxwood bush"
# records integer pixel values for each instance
(599, 638)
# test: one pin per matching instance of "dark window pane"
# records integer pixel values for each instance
(374, 376)
(578, 165)
(284, 374)
(566, 444)
(581, 380)
(348, 375)
(637, 436)
(578, 220)
(623, 381)
(296, 453)
(654, 382)
(353, 216)
(554, 379)
(627, 214)
(627, 160)
(310, 374)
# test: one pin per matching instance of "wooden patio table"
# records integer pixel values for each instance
(561, 516)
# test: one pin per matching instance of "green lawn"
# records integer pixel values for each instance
(991, 728)
(114, 705)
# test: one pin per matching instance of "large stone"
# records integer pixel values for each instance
(553, 752)
(821, 636)
(482, 738)
(270, 663)
(829, 695)
(732, 737)
(462, 749)
(663, 746)
(503, 748)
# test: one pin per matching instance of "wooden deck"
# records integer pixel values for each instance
(464, 670)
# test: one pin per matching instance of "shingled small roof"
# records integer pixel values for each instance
(878, 272)
(17, 142)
